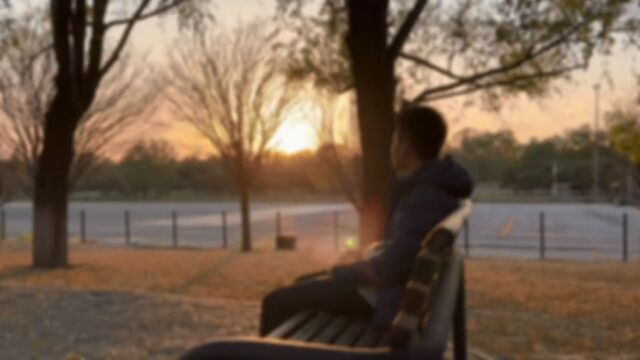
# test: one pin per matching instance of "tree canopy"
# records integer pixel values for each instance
(459, 47)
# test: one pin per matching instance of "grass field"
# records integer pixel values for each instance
(517, 309)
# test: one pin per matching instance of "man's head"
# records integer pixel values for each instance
(419, 136)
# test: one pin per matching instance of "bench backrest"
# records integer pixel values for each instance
(434, 261)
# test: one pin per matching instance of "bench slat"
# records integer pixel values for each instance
(384, 341)
(312, 327)
(368, 338)
(331, 331)
(289, 326)
(351, 334)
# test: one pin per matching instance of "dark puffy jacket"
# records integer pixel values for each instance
(419, 203)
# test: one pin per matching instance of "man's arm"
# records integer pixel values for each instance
(360, 273)
(411, 223)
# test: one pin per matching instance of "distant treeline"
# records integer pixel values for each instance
(150, 169)
(498, 157)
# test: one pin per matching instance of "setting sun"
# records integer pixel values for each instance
(294, 137)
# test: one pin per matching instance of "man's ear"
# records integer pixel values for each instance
(408, 153)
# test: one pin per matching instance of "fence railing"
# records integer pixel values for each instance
(337, 229)
(128, 224)
(543, 247)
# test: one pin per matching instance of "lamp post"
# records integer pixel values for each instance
(596, 153)
(554, 179)
(629, 185)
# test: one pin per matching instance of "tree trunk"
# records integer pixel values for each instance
(246, 219)
(243, 183)
(51, 188)
(374, 83)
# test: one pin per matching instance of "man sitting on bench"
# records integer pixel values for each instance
(428, 188)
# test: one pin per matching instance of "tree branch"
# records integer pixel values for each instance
(405, 29)
(97, 40)
(124, 37)
(79, 35)
(506, 82)
(527, 57)
(428, 64)
(158, 11)
(60, 12)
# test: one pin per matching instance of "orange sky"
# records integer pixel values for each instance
(572, 107)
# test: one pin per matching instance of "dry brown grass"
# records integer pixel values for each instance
(209, 274)
(529, 310)
(590, 310)
(571, 289)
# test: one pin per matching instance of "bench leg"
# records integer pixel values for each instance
(460, 324)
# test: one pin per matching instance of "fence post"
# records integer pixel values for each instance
(83, 226)
(466, 237)
(174, 228)
(278, 225)
(224, 230)
(336, 230)
(3, 223)
(542, 236)
(625, 239)
(127, 228)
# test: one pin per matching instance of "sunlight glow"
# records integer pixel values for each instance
(350, 243)
(295, 136)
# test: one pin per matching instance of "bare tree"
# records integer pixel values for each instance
(339, 151)
(83, 59)
(228, 86)
(123, 101)
(27, 70)
(8, 182)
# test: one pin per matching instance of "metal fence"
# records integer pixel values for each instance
(538, 231)
(542, 247)
(185, 225)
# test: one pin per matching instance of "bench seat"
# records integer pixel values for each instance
(315, 335)
(312, 335)
(323, 328)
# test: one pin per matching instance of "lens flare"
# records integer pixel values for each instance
(350, 243)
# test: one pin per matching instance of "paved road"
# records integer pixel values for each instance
(572, 231)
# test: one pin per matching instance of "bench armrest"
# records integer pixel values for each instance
(432, 341)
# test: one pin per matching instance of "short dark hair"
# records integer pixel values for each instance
(424, 128)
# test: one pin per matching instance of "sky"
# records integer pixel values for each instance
(573, 106)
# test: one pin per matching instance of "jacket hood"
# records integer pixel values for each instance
(444, 174)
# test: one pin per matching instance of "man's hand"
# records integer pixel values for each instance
(356, 255)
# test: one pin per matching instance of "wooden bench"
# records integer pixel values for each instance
(313, 335)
